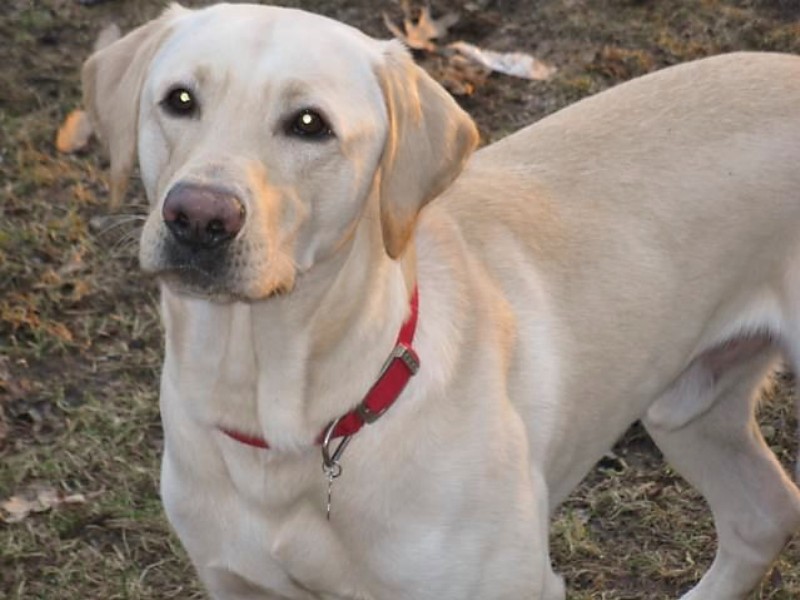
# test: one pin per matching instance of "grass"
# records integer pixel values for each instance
(80, 342)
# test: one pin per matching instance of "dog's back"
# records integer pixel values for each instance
(676, 195)
(648, 240)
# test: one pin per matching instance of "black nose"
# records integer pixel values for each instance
(202, 216)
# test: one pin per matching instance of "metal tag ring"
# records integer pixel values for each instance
(330, 460)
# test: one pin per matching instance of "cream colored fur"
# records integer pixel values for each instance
(636, 255)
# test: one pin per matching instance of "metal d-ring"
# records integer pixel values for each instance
(330, 460)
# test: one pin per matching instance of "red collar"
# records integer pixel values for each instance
(400, 366)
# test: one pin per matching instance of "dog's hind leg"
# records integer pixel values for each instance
(719, 449)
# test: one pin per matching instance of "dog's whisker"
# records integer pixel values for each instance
(106, 224)
(126, 241)
(127, 218)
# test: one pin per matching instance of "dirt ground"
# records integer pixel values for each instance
(80, 343)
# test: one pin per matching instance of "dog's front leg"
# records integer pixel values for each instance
(552, 587)
(224, 585)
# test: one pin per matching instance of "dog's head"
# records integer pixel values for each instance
(262, 133)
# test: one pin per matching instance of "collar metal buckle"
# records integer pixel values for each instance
(409, 358)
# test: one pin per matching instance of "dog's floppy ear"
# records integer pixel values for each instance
(429, 139)
(112, 81)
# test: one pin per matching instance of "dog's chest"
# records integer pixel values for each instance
(282, 546)
(288, 552)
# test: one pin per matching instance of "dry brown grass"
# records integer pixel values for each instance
(80, 341)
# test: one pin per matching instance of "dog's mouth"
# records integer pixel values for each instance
(212, 280)
(196, 285)
(194, 272)
(193, 281)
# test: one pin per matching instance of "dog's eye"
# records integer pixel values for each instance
(310, 124)
(180, 102)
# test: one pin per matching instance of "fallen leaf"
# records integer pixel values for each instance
(74, 499)
(517, 64)
(16, 509)
(74, 133)
(420, 34)
(36, 500)
(459, 75)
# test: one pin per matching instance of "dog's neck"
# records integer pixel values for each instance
(312, 357)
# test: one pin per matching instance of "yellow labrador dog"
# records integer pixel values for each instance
(363, 399)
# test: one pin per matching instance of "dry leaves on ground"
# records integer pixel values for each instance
(460, 66)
